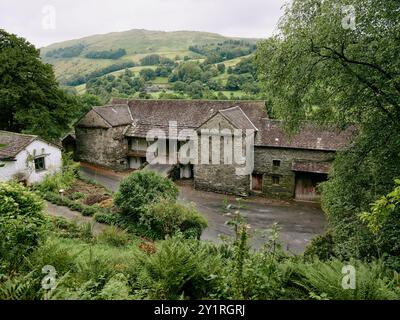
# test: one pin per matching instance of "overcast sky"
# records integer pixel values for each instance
(44, 22)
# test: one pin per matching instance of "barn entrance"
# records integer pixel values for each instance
(306, 185)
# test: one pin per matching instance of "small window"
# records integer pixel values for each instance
(275, 180)
(276, 163)
(40, 164)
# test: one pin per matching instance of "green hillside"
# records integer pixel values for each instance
(69, 58)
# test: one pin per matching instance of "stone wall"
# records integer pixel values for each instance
(102, 146)
(221, 178)
(263, 164)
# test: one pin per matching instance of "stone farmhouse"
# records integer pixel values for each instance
(114, 136)
(27, 158)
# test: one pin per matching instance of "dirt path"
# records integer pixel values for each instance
(58, 211)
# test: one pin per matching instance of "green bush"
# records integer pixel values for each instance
(114, 236)
(62, 179)
(321, 246)
(22, 223)
(117, 288)
(106, 218)
(141, 189)
(24, 287)
(384, 222)
(166, 218)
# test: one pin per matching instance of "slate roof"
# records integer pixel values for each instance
(13, 143)
(238, 118)
(139, 129)
(116, 115)
(190, 113)
(311, 166)
(140, 116)
(310, 136)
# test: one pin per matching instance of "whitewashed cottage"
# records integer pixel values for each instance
(27, 158)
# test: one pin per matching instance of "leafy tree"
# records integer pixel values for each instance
(246, 65)
(163, 71)
(180, 86)
(233, 82)
(384, 221)
(221, 68)
(322, 68)
(30, 99)
(195, 90)
(148, 74)
(86, 101)
(188, 72)
(150, 60)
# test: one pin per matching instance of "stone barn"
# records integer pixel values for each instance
(284, 166)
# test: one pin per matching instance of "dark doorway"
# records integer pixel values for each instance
(257, 182)
(69, 145)
(306, 185)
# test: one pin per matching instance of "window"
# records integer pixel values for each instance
(276, 163)
(275, 180)
(40, 164)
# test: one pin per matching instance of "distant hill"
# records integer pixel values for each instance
(87, 55)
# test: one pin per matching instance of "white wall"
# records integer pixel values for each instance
(53, 162)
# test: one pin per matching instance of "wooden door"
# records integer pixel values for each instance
(257, 182)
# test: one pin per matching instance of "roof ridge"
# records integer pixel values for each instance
(20, 134)
(231, 108)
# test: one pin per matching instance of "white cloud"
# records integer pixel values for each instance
(77, 18)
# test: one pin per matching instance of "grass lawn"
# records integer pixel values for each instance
(160, 80)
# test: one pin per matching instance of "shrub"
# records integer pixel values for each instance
(62, 179)
(114, 236)
(141, 189)
(67, 229)
(384, 222)
(22, 223)
(117, 288)
(324, 280)
(166, 218)
(179, 268)
(321, 246)
(106, 218)
(24, 287)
